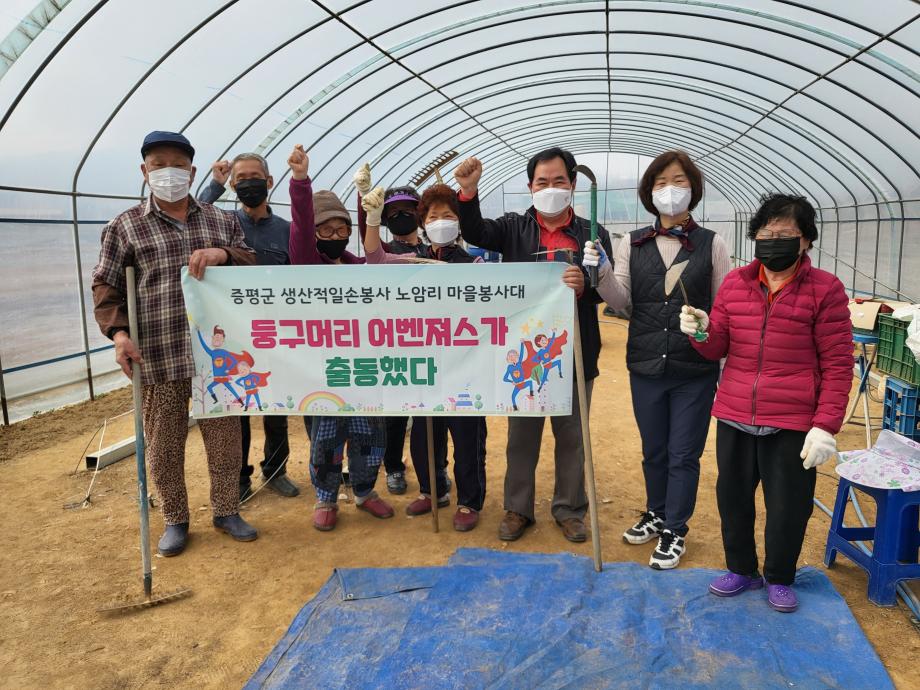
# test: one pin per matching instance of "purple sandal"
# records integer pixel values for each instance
(781, 598)
(732, 584)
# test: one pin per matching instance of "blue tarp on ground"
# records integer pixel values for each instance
(505, 620)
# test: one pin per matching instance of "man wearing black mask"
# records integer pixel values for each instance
(268, 235)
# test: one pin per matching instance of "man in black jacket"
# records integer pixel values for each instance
(268, 235)
(548, 231)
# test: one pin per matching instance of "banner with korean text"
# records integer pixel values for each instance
(420, 339)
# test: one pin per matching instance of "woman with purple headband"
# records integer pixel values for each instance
(400, 215)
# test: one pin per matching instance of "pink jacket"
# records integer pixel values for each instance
(789, 364)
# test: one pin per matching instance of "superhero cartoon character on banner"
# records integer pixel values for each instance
(531, 365)
(251, 381)
(223, 363)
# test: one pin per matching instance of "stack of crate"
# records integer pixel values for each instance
(901, 392)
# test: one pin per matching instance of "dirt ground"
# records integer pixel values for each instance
(58, 565)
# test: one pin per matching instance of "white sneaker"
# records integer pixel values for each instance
(648, 527)
(668, 552)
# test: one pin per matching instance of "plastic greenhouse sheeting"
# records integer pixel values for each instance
(833, 83)
(506, 620)
(818, 98)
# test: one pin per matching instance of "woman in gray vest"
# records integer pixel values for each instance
(672, 385)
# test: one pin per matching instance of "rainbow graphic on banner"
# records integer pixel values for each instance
(321, 396)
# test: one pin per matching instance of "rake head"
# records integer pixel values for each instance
(146, 603)
(433, 168)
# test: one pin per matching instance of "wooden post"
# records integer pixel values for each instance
(586, 443)
(432, 476)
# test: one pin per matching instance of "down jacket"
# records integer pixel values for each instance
(790, 363)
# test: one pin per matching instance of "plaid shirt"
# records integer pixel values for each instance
(158, 246)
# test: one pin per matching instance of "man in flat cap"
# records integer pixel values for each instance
(158, 237)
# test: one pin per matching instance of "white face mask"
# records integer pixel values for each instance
(442, 232)
(671, 200)
(552, 201)
(169, 184)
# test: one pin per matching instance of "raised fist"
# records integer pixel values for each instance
(362, 179)
(220, 171)
(299, 163)
(467, 175)
(372, 203)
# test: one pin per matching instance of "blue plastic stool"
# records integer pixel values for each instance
(895, 537)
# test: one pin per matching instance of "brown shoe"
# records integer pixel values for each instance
(513, 526)
(465, 519)
(573, 529)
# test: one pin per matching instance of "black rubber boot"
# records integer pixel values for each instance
(280, 484)
(174, 539)
(236, 527)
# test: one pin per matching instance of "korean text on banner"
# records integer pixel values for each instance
(488, 339)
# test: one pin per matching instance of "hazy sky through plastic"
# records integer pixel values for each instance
(506, 80)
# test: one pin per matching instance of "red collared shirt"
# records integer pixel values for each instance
(551, 240)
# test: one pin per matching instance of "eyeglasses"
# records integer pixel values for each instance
(342, 232)
(767, 235)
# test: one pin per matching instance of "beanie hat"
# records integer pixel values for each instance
(326, 206)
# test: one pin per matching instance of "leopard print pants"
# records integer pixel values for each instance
(165, 432)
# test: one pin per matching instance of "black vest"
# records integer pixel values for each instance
(396, 247)
(656, 347)
(452, 254)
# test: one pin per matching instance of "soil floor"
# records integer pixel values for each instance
(59, 564)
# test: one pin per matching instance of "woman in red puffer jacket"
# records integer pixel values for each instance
(784, 327)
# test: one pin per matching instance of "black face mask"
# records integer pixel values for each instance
(777, 255)
(332, 248)
(251, 193)
(402, 224)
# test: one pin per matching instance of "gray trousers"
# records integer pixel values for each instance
(524, 439)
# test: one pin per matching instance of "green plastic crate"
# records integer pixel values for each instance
(894, 357)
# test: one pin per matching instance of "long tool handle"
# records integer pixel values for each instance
(592, 270)
(139, 435)
(586, 443)
(432, 477)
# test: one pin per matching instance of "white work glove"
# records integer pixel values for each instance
(594, 254)
(819, 447)
(373, 206)
(694, 322)
(362, 179)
